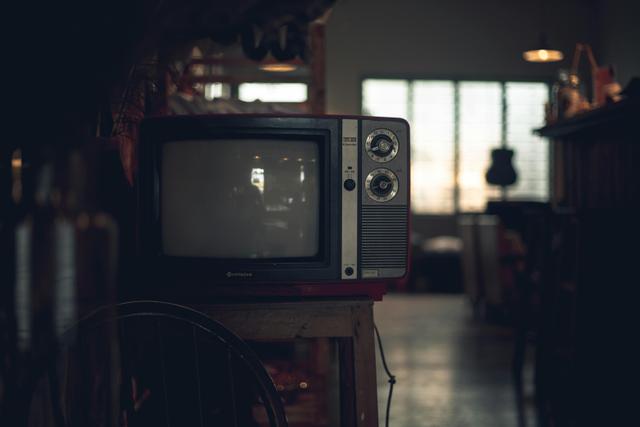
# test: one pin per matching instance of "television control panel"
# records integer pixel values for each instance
(375, 198)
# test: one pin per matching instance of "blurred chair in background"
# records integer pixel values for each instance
(471, 279)
(436, 264)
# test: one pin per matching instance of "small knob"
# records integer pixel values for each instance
(348, 271)
(382, 145)
(349, 184)
(381, 185)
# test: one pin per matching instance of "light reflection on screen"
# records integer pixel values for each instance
(240, 198)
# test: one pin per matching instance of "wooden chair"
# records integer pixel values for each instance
(155, 363)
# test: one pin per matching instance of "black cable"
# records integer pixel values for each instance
(392, 378)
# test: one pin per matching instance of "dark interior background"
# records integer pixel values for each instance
(471, 40)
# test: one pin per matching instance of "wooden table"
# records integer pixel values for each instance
(349, 320)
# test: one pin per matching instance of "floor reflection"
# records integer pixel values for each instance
(451, 371)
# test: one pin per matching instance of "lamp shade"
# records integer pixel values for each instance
(543, 53)
(279, 67)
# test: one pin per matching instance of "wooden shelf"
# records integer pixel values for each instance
(595, 158)
(618, 115)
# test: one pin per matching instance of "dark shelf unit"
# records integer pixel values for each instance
(595, 157)
(589, 293)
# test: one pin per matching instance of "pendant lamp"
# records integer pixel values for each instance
(543, 52)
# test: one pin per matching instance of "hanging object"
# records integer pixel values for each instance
(501, 172)
(543, 52)
(254, 45)
(289, 42)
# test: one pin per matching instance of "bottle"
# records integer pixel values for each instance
(567, 98)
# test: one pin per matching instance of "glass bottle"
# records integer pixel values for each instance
(567, 98)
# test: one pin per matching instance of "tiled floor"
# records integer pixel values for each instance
(451, 371)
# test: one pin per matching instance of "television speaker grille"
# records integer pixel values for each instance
(384, 237)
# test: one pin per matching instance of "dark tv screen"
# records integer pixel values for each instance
(240, 198)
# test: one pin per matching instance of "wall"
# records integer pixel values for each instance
(469, 39)
(619, 37)
(466, 38)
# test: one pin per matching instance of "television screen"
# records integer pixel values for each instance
(240, 198)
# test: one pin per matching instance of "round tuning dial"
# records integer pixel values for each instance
(382, 145)
(381, 185)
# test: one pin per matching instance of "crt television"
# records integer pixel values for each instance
(274, 199)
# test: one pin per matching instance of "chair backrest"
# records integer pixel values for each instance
(470, 269)
(155, 363)
(488, 229)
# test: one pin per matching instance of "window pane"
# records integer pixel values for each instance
(387, 98)
(525, 112)
(480, 129)
(272, 92)
(432, 142)
(217, 90)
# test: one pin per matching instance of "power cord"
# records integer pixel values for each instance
(392, 378)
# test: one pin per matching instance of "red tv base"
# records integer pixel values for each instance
(374, 291)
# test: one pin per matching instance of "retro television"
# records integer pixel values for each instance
(230, 199)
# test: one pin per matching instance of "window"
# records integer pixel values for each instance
(217, 90)
(272, 92)
(454, 126)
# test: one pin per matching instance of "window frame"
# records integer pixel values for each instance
(456, 79)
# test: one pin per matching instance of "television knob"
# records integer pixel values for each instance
(349, 184)
(382, 145)
(382, 185)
